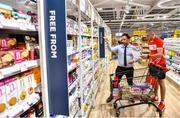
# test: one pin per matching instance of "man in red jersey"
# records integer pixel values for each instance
(157, 65)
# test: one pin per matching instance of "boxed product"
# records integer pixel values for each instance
(3, 105)
(13, 57)
(37, 74)
(29, 82)
(22, 93)
(6, 58)
(11, 91)
(7, 43)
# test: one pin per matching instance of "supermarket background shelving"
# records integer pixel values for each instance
(83, 24)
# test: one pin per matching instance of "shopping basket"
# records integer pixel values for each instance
(141, 92)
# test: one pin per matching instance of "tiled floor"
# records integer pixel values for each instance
(104, 110)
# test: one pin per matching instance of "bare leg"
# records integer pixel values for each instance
(162, 89)
(156, 89)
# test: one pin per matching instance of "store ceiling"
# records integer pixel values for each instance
(128, 15)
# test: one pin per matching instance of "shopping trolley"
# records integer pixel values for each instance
(141, 92)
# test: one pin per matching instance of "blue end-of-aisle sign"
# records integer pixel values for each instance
(56, 54)
(101, 42)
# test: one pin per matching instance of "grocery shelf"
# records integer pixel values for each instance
(89, 94)
(95, 70)
(89, 78)
(18, 68)
(174, 77)
(74, 84)
(7, 24)
(85, 48)
(85, 59)
(73, 98)
(72, 67)
(89, 109)
(87, 70)
(86, 35)
(72, 52)
(22, 107)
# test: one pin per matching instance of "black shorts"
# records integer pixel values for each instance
(157, 72)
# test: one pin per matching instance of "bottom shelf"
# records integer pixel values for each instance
(22, 107)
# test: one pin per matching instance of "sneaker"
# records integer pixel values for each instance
(161, 106)
(154, 99)
(109, 99)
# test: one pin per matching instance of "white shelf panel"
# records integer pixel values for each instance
(88, 78)
(73, 98)
(74, 84)
(7, 24)
(85, 59)
(174, 77)
(86, 48)
(18, 68)
(21, 108)
(87, 70)
(72, 67)
(72, 53)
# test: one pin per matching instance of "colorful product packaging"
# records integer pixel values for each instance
(11, 92)
(22, 93)
(7, 43)
(3, 105)
(29, 82)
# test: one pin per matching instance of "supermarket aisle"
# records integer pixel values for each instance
(104, 110)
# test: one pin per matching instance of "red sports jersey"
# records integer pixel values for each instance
(153, 45)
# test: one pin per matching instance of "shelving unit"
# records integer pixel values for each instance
(22, 72)
(172, 55)
(83, 23)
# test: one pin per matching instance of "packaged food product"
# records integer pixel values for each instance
(8, 43)
(3, 105)
(22, 93)
(30, 82)
(6, 58)
(37, 75)
(11, 91)
(39, 109)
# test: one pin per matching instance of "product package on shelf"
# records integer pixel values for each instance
(3, 101)
(22, 88)
(37, 75)
(11, 92)
(30, 82)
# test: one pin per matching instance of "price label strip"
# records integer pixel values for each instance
(23, 68)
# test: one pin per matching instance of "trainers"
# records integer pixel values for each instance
(109, 99)
(161, 106)
(154, 99)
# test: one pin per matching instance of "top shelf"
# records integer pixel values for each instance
(7, 26)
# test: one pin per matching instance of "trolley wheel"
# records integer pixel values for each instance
(115, 105)
(117, 113)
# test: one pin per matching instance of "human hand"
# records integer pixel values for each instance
(131, 62)
(144, 56)
(106, 40)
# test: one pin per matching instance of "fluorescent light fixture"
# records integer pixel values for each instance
(160, 4)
